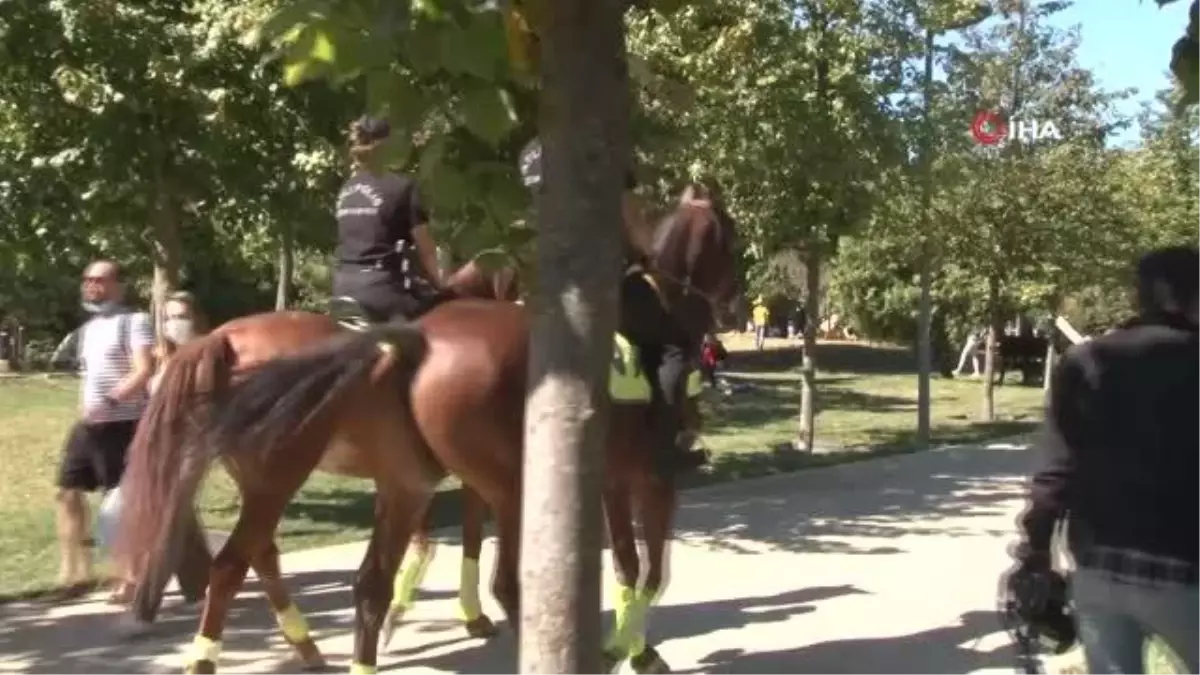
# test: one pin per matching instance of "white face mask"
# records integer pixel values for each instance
(178, 331)
(103, 307)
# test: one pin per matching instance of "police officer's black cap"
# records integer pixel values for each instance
(371, 129)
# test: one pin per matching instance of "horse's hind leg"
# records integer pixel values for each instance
(291, 621)
(506, 585)
(251, 535)
(409, 578)
(657, 510)
(474, 513)
(397, 512)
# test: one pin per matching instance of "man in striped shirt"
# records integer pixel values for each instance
(116, 360)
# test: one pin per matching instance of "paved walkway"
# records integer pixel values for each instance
(881, 566)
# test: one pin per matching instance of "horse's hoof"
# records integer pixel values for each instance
(201, 667)
(649, 663)
(388, 630)
(481, 627)
(610, 660)
(130, 627)
(309, 655)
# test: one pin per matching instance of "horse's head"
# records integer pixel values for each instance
(694, 249)
(475, 280)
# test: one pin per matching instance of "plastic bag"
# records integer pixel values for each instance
(107, 518)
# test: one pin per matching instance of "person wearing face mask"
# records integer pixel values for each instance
(116, 359)
(182, 322)
(1119, 467)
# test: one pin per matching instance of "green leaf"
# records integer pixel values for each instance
(477, 49)
(285, 19)
(431, 159)
(323, 48)
(488, 112)
(421, 47)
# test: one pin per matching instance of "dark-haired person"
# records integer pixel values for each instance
(386, 256)
(1121, 458)
(645, 322)
(116, 358)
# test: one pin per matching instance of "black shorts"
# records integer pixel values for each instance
(94, 455)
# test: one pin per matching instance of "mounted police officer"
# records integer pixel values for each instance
(386, 255)
(1120, 467)
(645, 321)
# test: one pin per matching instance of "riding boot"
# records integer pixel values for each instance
(672, 377)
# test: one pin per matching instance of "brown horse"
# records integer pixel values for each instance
(388, 405)
(200, 370)
(630, 481)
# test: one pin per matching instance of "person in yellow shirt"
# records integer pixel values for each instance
(761, 316)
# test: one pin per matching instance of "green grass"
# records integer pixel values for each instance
(866, 400)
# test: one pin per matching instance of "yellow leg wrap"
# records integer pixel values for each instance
(637, 624)
(468, 591)
(357, 668)
(293, 624)
(625, 605)
(404, 588)
(205, 649)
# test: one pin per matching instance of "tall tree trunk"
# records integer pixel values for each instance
(990, 350)
(286, 266)
(806, 432)
(584, 127)
(1051, 356)
(167, 252)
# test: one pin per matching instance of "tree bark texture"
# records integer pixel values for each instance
(584, 119)
(988, 414)
(808, 369)
(286, 265)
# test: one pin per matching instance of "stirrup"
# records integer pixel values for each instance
(349, 314)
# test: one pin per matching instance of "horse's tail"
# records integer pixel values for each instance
(164, 467)
(279, 400)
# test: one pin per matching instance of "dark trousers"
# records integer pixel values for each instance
(94, 455)
(382, 295)
(663, 350)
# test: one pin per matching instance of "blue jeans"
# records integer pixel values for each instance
(1116, 618)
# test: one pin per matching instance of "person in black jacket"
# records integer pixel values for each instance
(1121, 451)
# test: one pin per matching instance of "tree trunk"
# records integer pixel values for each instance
(989, 354)
(167, 253)
(584, 120)
(808, 369)
(1051, 355)
(286, 265)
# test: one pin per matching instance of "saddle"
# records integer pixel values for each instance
(627, 381)
(349, 314)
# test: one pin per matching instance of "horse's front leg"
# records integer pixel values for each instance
(628, 610)
(656, 500)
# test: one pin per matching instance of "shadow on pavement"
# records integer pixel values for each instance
(88, 642)
(846, 510)
(839, 510)
(941, 650)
